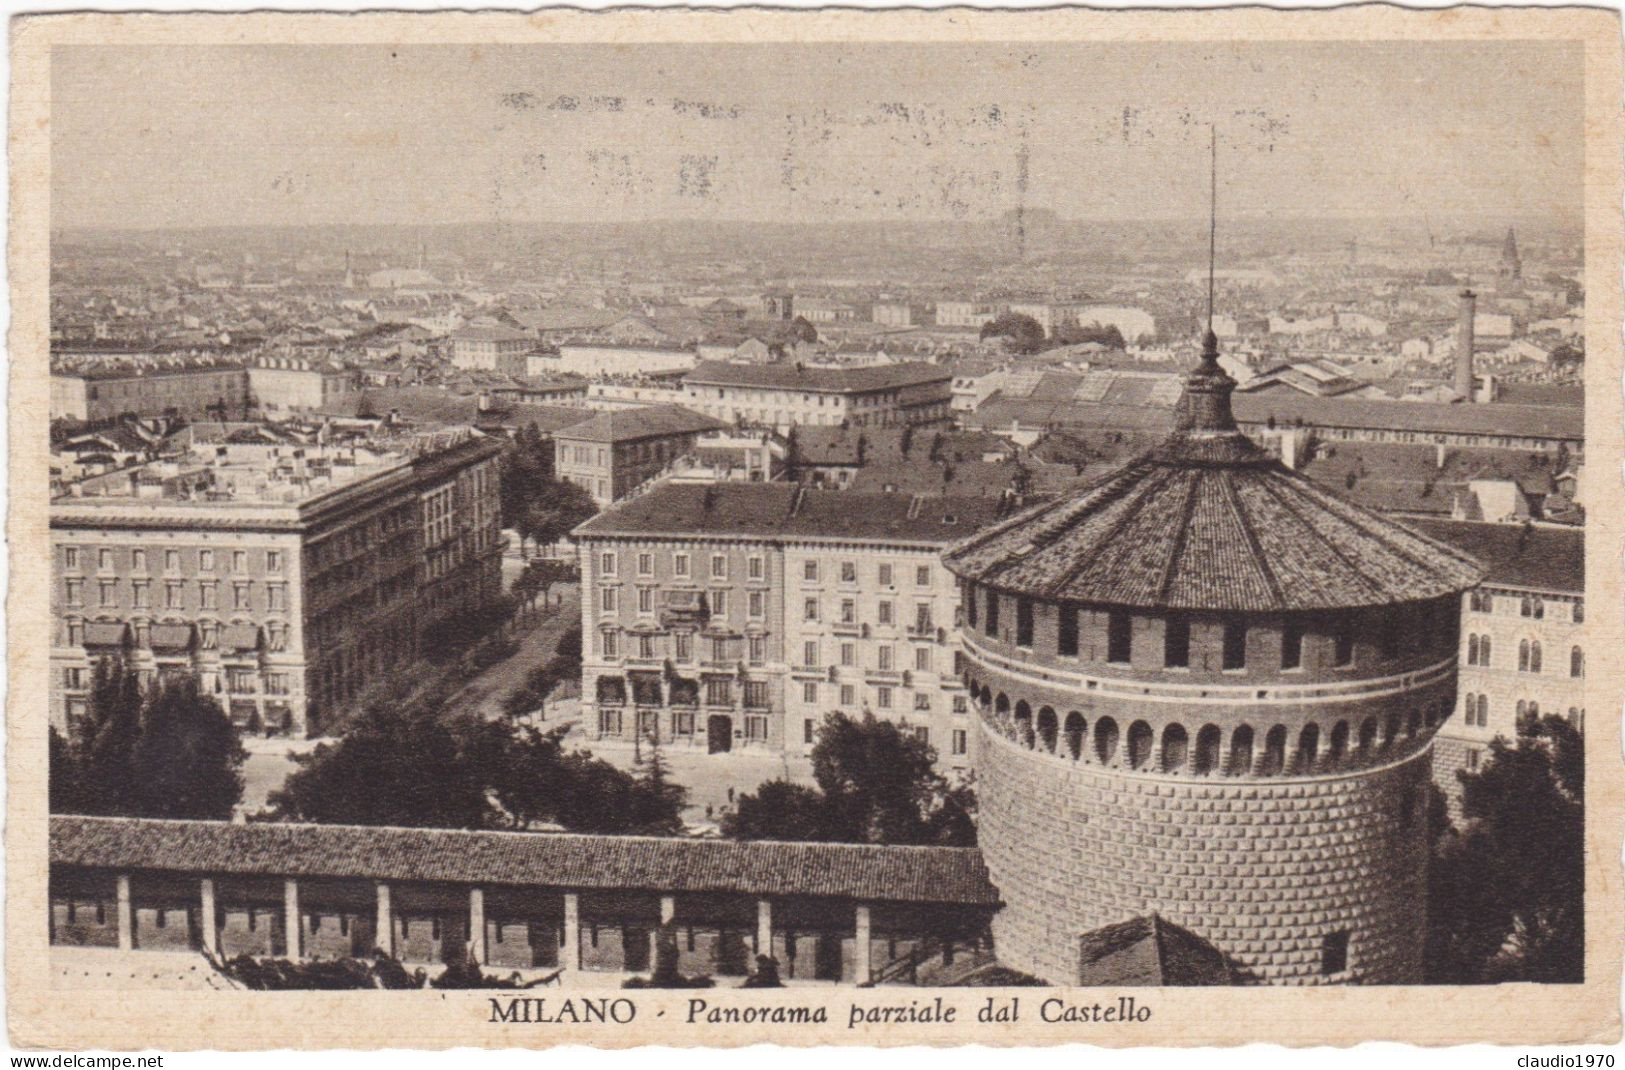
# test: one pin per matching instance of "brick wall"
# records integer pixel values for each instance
(1263, 869)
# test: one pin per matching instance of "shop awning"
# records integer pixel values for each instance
(105, 633)
(171, 638)
(240, 637)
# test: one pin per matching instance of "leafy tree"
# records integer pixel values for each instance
(1024, 334)
(802, 330)
(188, 761)
(397, 765)
(555, 510)
(1506, 895)
(526, 472)
(779, 810)
(168, 751)
(876, 784)
(1109, 335)
(657, 800)
(540, 576)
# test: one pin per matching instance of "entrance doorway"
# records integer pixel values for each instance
(719, 734)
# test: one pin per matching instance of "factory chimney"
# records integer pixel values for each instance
(1464, 345)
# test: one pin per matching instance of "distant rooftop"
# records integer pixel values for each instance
(853, 380)
(630, 425)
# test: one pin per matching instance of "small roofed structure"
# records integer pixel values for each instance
(1148, 951)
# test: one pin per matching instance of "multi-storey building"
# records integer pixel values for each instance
(287, 577)
(1523, 648)
(612, 454)
(492, 349)
(742, 613)
(294, 384)
(781, 395)
(147, 388)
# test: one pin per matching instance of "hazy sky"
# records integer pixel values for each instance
(231, 134)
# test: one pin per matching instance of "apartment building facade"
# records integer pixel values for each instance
(287, 595)
(217, 391)
(912, 394)
(612, 454)
(736, 615)
(1523, 642)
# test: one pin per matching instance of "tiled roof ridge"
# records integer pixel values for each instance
(1260, 559)
(1075, 567)
(1296, 513)
(299, 826)
(1186, 509)
(1362, 519)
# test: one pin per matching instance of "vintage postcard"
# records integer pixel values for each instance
(814, 527)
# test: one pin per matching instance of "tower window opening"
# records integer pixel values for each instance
(1291, 645)
(1119, 637)
(1334, 952)
(968, 596)
(1074, 734)
(1207, 750)
(1343, 646)
(1139, 744)
(992, 624)
(1024, 622)
(1273, 760)
(1235, 645)
(1241, 751)
(1066, 636)
(1048, 728)
(1105, 740)
(1176, 643)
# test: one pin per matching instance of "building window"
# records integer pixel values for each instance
(849, 654)
(848, 695)
(108, 592)
(1484, 651)
(1291, 645)
(719, 691)
(719, 602)
(719, 566)
(1119, 637)
(1579, 612)
(849, 572)
(273, 560)
(646, 600)
(1472, 650)
(682, 723)
(922, 659)
(104, 560)
(1483, 711)
(70, 557)
(883, 657)
(276, 596)
(609, 722)
(922, 576)
(239, 560)
(991, 626)
(1334, 952)
(756, 728)
(1235, 645)
(809, 610)
(809, 571)
(1534, 656)
(883, 697)
(809, 692)
(607, 599)
(755, 568)
(757, 647)
(1577, 662)
(884, 611)
(885, 576)
(959, 740)
(849, 611)
(172, 560)
(679, 565)
(719, 649)
(646, 647)
(682, 645)
(75, 592)
(808, 730)
(646, 564)
(611, 645)
(1343, 646)
(756, 694)
(139, 597)
(757, 603)
(1024, 622)
(1472, 758)
(922, 703)
(174, 599)
(1176, 643)
(208, 594)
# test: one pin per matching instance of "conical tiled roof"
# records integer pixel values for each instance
(1208, 521)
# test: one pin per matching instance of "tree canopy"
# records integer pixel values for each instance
(1025, 334)
(406, 761)
(876, 784)
(166, 750)
(1506, 895)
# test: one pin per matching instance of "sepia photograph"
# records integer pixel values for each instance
(553, 514)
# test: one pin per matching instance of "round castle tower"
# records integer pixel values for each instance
(1208, 691)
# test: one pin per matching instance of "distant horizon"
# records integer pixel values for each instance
(191, 137)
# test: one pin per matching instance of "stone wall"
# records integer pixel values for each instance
(1265, 869)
